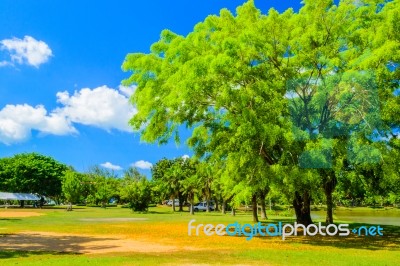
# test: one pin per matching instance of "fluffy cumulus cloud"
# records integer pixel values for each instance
(17, 122)
(101, 107)
(127, 91)
(111, 166)
(25, 51)
(185, 157)
(142, 165)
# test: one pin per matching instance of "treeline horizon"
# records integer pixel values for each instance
(187, 179)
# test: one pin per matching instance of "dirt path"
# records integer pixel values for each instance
(18, 214)
(77, 243)
(74, 243)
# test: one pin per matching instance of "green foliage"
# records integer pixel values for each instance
(220, 81)
(102, 184)
(136, 190)
(174, 178)
(290, 101)
(73, 186)
(32, 173)
(191, 183)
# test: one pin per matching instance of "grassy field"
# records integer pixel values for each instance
(160, 237)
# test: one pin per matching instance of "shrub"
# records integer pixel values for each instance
(137, 192)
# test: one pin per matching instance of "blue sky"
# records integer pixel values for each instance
(60, 68)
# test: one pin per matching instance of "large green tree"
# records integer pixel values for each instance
(191, 183)
(219, 81)
(343, 92)
(279, 93)
(170, 179)
(32, 173)
(74, 186)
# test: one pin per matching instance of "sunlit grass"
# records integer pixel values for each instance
(167, 228)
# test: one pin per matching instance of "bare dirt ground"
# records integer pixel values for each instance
(112, 219)
(17, 214)
(74, 243)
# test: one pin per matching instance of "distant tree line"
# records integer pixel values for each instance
(187, 179)
(44, 176)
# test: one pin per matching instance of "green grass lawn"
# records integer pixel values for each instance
(165, 228)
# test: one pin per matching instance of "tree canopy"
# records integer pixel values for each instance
(31, 173)
(295, 99)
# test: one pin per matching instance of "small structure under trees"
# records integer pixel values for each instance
(18, 196)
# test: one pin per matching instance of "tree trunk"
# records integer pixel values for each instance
(262, 203)
(254, 207)
(329, 187)
(173, 204)
(263, 211)
(233, 213)
(329, 207)
(301, 206)
(180, 197)
(216, 204)
(191, 208)
(223, 206)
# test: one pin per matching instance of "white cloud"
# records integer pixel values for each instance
(4, 63)
(11, 132)
(26, 51)
(101, 107)
(17, 122)
(143, 165)
(185, 157)
(111, 166)
(127, 91)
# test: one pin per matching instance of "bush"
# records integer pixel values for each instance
(137, 192)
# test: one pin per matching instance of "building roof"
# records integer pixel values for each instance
(18, 196)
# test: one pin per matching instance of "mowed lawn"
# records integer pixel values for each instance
(96, 236)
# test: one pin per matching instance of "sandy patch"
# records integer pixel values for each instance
(74, 243)
(17, 214)
(112, 219)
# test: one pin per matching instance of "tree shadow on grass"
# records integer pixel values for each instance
(155, 212)
(390, 240)
(10, 219)
(14, 245)
(284, 220)
(11, 254)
